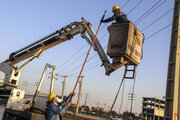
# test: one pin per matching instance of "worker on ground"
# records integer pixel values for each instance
(54, 112)
(118, 16)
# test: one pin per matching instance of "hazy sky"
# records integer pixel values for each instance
(23, 22)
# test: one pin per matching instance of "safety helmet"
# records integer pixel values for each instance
(51, 96)
(115, 8)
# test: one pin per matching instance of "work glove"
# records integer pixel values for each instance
(69, 104)
(71, 95)
(102, 20)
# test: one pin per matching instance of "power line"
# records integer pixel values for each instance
(132, 95)
(135, 7)
(103, 27)
(84, 54)
(66, 68)
(80, 49)
(147, 11)
(92, 64)
(158, 31)
(151, 12)
(73, 55)
(125, 4)
(87, 61)
(158, 19)
(122, 97)
(92, 67)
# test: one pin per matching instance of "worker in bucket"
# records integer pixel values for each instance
(54, 111)
(118, 16)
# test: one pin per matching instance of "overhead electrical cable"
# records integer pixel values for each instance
(157, 19)
(135, 7)
(125, 4)
(122, 97)
(150, 12)
(158, 31)
(65, 69)
(147, 11)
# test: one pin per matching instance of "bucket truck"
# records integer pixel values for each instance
(123, 50)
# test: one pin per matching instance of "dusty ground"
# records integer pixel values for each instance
(70, 116)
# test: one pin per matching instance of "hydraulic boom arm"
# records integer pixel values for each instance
(36, 49)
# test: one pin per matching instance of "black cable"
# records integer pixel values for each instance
(103, 27)
(135, 7)
(157, 19)
(122, 97)
(116, 95)
(147, 11)
(72, 56)
(84, 54)
(132, 95)
(125, 4)
(66, 68)
(158, 31)
(76, 68)
(92, 67)
(151, 12)
(87, 61)
(80, 50)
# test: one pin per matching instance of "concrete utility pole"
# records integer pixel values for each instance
(128, 100)
(131, 99)
(104, 105)
(86, 99)
(52, 77)
(63, 88)
(78, 101)
(98, 104)
(172, 106)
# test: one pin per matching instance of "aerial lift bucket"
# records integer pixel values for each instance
(125, 44)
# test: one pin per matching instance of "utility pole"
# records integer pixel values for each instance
(52, 77)
(86, 99)
(98, 104)
(104, 105)
(172, 106)
(128, 100)
(131, 95)
(63, 88)
(78, 101)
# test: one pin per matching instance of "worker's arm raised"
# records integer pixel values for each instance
(57, 110)
(66, 100)
(108, 20)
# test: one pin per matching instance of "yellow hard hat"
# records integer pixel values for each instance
(115, 8)
(51, 96)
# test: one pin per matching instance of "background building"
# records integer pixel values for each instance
(153, 109)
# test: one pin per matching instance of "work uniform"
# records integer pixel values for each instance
(54, 112)
(118, 16)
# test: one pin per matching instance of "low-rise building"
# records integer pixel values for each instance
(153, 108)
